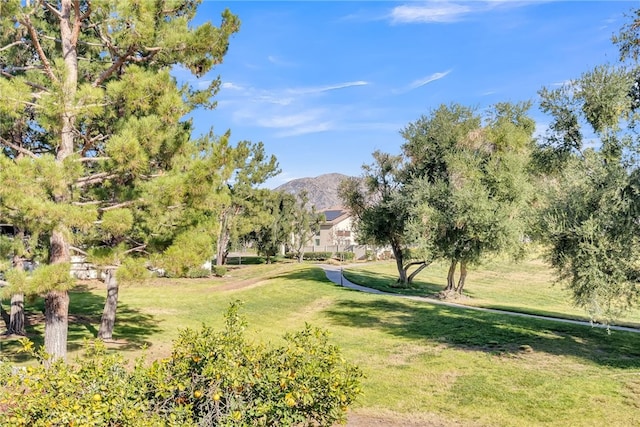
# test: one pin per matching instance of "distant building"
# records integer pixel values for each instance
(336, 230)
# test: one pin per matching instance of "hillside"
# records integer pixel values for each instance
(321, 190)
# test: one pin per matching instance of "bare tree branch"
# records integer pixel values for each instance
(17, 148)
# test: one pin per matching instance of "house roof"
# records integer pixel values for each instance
(335, 215)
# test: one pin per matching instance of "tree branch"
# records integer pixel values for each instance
(52, 9)
(78, 250)
(140, 248)
(77, 22)
(117, 206)
(94, 179)
(10, 45)
(109, 71)
(36, 43)
(92, 159)
(17, 148)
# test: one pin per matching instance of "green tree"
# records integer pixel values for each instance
(590, 220)
(93, 81)
(469, 181)
(381, 211)
(272, 228)
(305, 223)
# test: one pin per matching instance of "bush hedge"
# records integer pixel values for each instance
(211, 379)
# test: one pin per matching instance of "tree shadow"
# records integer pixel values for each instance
(132, 328)
(493, 333)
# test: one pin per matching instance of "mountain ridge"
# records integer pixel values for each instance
(322, 190)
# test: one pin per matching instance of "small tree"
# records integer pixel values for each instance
(305, 224)
(381, 210)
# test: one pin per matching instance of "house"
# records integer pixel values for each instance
(335, 231)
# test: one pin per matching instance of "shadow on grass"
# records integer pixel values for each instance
(488, 332)
(132, 329)
(388, 283)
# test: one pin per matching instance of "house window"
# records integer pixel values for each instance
(343, 233)
(317, 242)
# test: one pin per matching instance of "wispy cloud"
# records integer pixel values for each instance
(320, 89)
(432, 12)
(423, 81)
(280, 62)
(446, 11)
(288, 111)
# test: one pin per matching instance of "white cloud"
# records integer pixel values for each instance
(303, 130)
(319, 89)
(432, 12)
(280, 62)
(423, 81)
(229, 85)
(288, 121)
(445, 11)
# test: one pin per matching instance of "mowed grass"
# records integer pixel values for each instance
(424, 364)
(528, 286)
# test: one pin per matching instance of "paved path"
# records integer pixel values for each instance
(334, 273)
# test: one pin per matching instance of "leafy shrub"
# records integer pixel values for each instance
(97, 390)
(317, 256)
(198, 273)
(219, 270)
(211, 378)
(344, 256)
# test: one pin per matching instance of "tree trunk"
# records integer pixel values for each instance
(56, 317)
(223, 239)
(16, 318)
(423, 265)
(56, 308)
(450, 276)
(56, 304)
(397, 254)
(110, 305)
(463, 277)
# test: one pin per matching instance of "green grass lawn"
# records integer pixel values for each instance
(423, 363)
(527, 287)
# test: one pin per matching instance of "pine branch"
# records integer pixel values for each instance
(78, 250)
(17, 148)
(94, 179)
(36, 43)
(140, 248)
(10, 45)
(109, 71)
(117, 206)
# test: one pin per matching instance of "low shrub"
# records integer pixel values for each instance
(211, 378)
(219, 270)
(344, 256)
(316, 256)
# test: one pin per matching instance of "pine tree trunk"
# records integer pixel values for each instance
(56, 307)
(223, 239)
(56, 304)
(56, 317)
(110, 305)
(16, 318)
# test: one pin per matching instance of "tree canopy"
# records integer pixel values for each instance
(92, 120)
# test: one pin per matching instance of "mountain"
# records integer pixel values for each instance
(321, 190)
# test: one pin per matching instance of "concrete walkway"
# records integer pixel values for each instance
(334, 273)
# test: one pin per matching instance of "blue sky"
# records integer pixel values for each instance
(324, 84)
